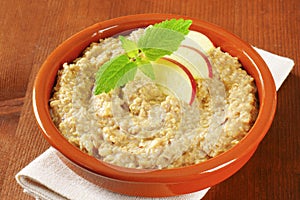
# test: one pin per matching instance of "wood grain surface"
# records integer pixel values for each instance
(31, 29)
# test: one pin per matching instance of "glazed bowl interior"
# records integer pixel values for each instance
(214, 170)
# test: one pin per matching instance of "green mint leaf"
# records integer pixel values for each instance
(158, 42)
(154, 53)
(128, 45)
(147, 69)
(129, 75)
(163, 38)
(114, 73)
(179, 25)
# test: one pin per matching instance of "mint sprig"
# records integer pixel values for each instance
(158, 40)
(110, 74)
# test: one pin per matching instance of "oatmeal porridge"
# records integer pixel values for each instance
(140, 125)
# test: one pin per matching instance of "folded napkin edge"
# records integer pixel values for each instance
(278, 72)
(35, 188)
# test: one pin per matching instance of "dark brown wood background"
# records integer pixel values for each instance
(31, 29)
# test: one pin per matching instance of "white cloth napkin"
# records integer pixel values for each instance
(279, 66)
(47, 177)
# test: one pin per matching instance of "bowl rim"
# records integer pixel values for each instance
(40, 100)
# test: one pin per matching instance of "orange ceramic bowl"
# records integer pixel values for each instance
(166, 182)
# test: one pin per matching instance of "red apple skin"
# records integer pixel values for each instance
(210, 74)
(189, 74)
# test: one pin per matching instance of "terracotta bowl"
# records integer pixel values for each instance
(166, 182)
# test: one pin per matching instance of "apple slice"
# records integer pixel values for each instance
(192, 54)
(200, 39)
(176, 78)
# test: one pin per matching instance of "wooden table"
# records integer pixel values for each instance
(30, 30)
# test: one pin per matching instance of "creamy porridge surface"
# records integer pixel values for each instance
(139, 125)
